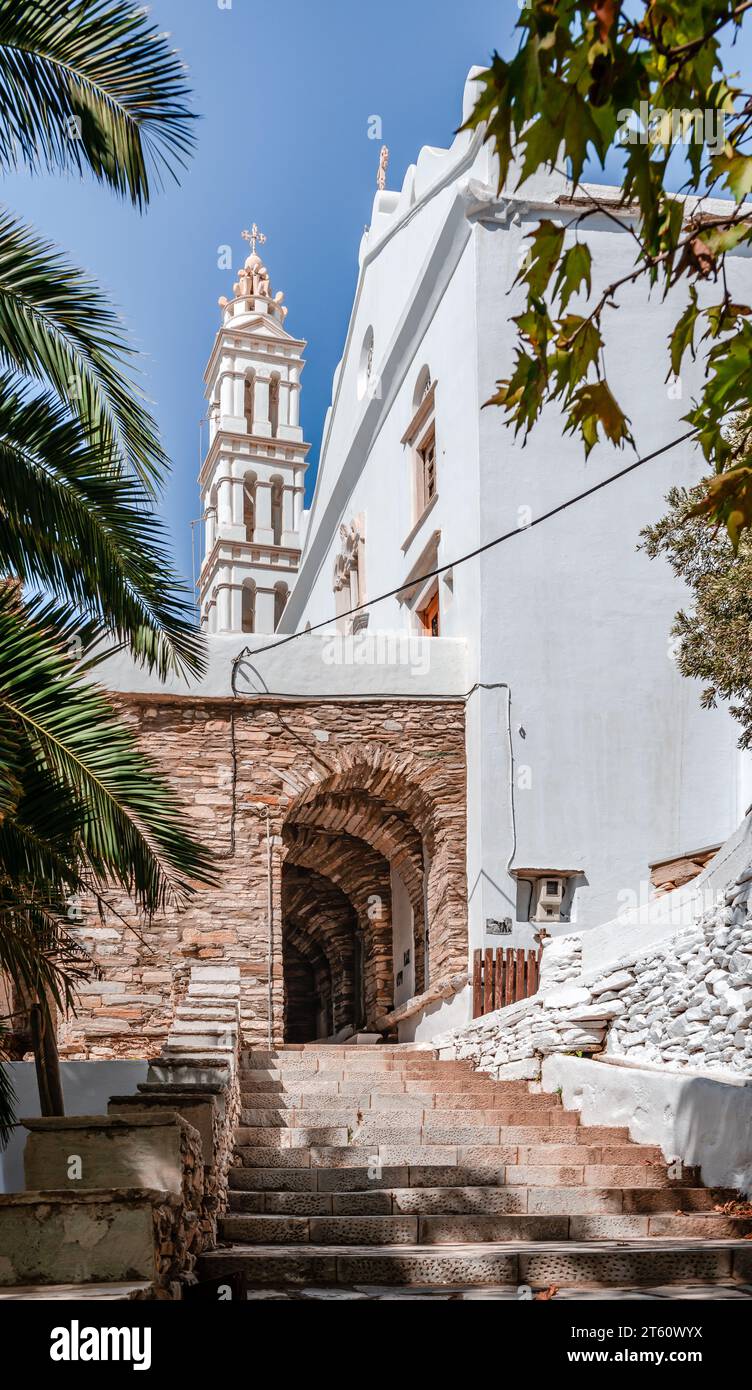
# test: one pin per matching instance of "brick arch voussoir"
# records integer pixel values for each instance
(403, 779)
(378, 825)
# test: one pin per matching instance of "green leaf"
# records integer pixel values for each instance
(593, 406)
(57, 328)
(542, 257)
(684, 332)
(729, 501)
(129, 825)
(574, 271)
(91, 84)
(735, 170)
(721, 239)
(76, 525)
(581, 340)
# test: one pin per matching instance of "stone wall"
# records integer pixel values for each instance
(388, 772)
(685, 1003)
(669, 874)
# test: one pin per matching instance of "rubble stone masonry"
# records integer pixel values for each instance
(389, 773)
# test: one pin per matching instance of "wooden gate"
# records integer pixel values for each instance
(503, 976)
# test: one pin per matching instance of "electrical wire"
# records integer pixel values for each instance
(473, 554)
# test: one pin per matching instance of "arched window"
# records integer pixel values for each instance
(281, 594)
(420, 436)
(277, 510)
(210, 519)
(249, 505)
(249, 607)
(274, 403)
(422, 386)
(365, 364)
(250, 383)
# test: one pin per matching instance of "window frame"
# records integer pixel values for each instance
(419, 436)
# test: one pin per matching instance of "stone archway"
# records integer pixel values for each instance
(320, 924)
(383, 866)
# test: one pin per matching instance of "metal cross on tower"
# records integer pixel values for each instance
(254, 236)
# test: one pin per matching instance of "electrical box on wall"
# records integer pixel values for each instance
(548, 898)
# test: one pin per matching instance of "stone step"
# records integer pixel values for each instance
(491, 1157)
(216, 1013)
(100, 1236)
(317, 1091)
(359, 1060)
(454, 1229)
(692, 1292)
(680, 1204)
(205, 1029)
(502, 1148)
(539, 1265)
(401, 1117)
(343, 1049)
(212, 1001)
(302, 1077)
(195, 1046)
(457, 1094)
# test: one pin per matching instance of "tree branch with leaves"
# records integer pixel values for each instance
(584, 74)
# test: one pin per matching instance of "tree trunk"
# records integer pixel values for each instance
(46, 1060)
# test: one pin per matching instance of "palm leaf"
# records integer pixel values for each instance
(91, 84)
(71, 523)
(131, 823)
(57, 328)
(7, 1100)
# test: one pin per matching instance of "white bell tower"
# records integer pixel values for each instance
(252, 478)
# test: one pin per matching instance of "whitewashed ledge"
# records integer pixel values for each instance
(701, 1121)
(441, 990)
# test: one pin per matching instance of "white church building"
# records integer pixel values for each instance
(590, 761)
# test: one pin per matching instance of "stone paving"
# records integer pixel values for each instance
(358, 1171)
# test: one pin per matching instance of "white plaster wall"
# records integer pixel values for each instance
(436, 1018)
(381, 486)
(624, 766)
(87, 1087)
(703, 1122)
(612, 763)
(402, 940)
(315, 665)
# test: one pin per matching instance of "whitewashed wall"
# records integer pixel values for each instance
(603, 761)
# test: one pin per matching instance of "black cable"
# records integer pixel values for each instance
(472, 554)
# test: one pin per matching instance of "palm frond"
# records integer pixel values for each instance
(58, 329)
(132, 827)
(92, 84)
(73, 524)
(7, 1100)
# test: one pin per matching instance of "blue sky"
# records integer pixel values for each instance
(285, 92)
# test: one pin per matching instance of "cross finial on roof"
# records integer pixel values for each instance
(254, 236)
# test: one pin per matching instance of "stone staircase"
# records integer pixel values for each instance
(360, 1170)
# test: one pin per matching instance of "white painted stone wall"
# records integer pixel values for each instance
(684, 1002)
(586, 749)
(703, 1122)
